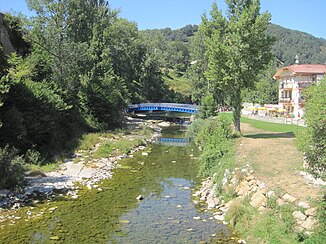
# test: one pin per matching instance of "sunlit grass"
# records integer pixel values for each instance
(268, 126)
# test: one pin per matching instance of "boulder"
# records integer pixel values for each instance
(303, 205)
(270, 194)
(258, 199)
(310, 223)
(299, 216)
(311, 212)
(211, 202)
(250, 178)
(280, 201)
(243, 189)
(289, 198)
(219, 217)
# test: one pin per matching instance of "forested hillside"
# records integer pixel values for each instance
(288, 44)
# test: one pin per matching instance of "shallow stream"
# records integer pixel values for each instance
(167, 214)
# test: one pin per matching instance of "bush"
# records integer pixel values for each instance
(312, 140)
(214, 136)
(11, 167)
(208, 107)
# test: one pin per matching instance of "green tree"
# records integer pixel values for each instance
(312, 140)
(237, 48)
(208, 107)
(198, 65)
(265, 90)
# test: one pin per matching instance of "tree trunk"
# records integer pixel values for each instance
(237, 106)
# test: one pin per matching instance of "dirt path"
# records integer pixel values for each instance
(275, 160)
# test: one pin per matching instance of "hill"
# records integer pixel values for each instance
(288, 44)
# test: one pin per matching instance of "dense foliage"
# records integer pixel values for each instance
(289, 43)
(214, 137)
(11, 167)
(238, 49)
(312, 140)
(80, 67)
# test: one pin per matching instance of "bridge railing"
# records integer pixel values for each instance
(167, 105)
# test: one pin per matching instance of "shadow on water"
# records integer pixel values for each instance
(113, 215)
(271, 135)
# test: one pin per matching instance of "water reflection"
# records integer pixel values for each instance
(177, 142)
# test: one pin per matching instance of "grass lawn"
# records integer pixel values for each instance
(268, 126)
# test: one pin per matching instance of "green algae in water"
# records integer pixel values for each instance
(115, 216)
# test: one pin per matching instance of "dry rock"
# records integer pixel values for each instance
(270, 194)
(140, 197)
(219, 217)
(310, 223)
(311, 212)
(280, 201)
(303, 205)
(250, 178)
(243, 189)
(258, 199)
(299, 216)
(289, 198)
(211, 203)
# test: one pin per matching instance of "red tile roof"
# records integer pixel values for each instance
(296, 69)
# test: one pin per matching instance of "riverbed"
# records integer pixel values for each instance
(164, 176)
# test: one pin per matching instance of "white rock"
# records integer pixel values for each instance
(299, 216)
(140, 197)
(304, 205)
(270, 194)
(219, 217)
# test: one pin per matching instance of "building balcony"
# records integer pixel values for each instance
(285, 99)
(303, 85)
(285, 86)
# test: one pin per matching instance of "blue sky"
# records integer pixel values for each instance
(304, 15)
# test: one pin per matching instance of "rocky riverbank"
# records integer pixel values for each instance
(246, 187)
(79, 168)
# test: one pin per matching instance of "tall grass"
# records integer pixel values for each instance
(116, 148)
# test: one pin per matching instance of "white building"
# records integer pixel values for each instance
(292, 80)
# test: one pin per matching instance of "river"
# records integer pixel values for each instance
(165, 178)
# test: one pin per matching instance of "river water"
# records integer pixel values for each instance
(167, 214)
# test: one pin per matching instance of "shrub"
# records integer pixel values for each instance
(11, 167)
(33, 157)
(208, 107)
(312, 140)
(213, 136)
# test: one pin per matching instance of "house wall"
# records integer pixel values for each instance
(290, 92)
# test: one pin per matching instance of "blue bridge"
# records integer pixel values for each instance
(175, 107)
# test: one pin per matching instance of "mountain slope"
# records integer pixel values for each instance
(290, 43)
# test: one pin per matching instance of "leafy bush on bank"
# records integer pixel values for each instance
(312, 140)
(214, 138)
(11, 167)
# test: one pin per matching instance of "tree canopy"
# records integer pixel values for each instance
(238, 49)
